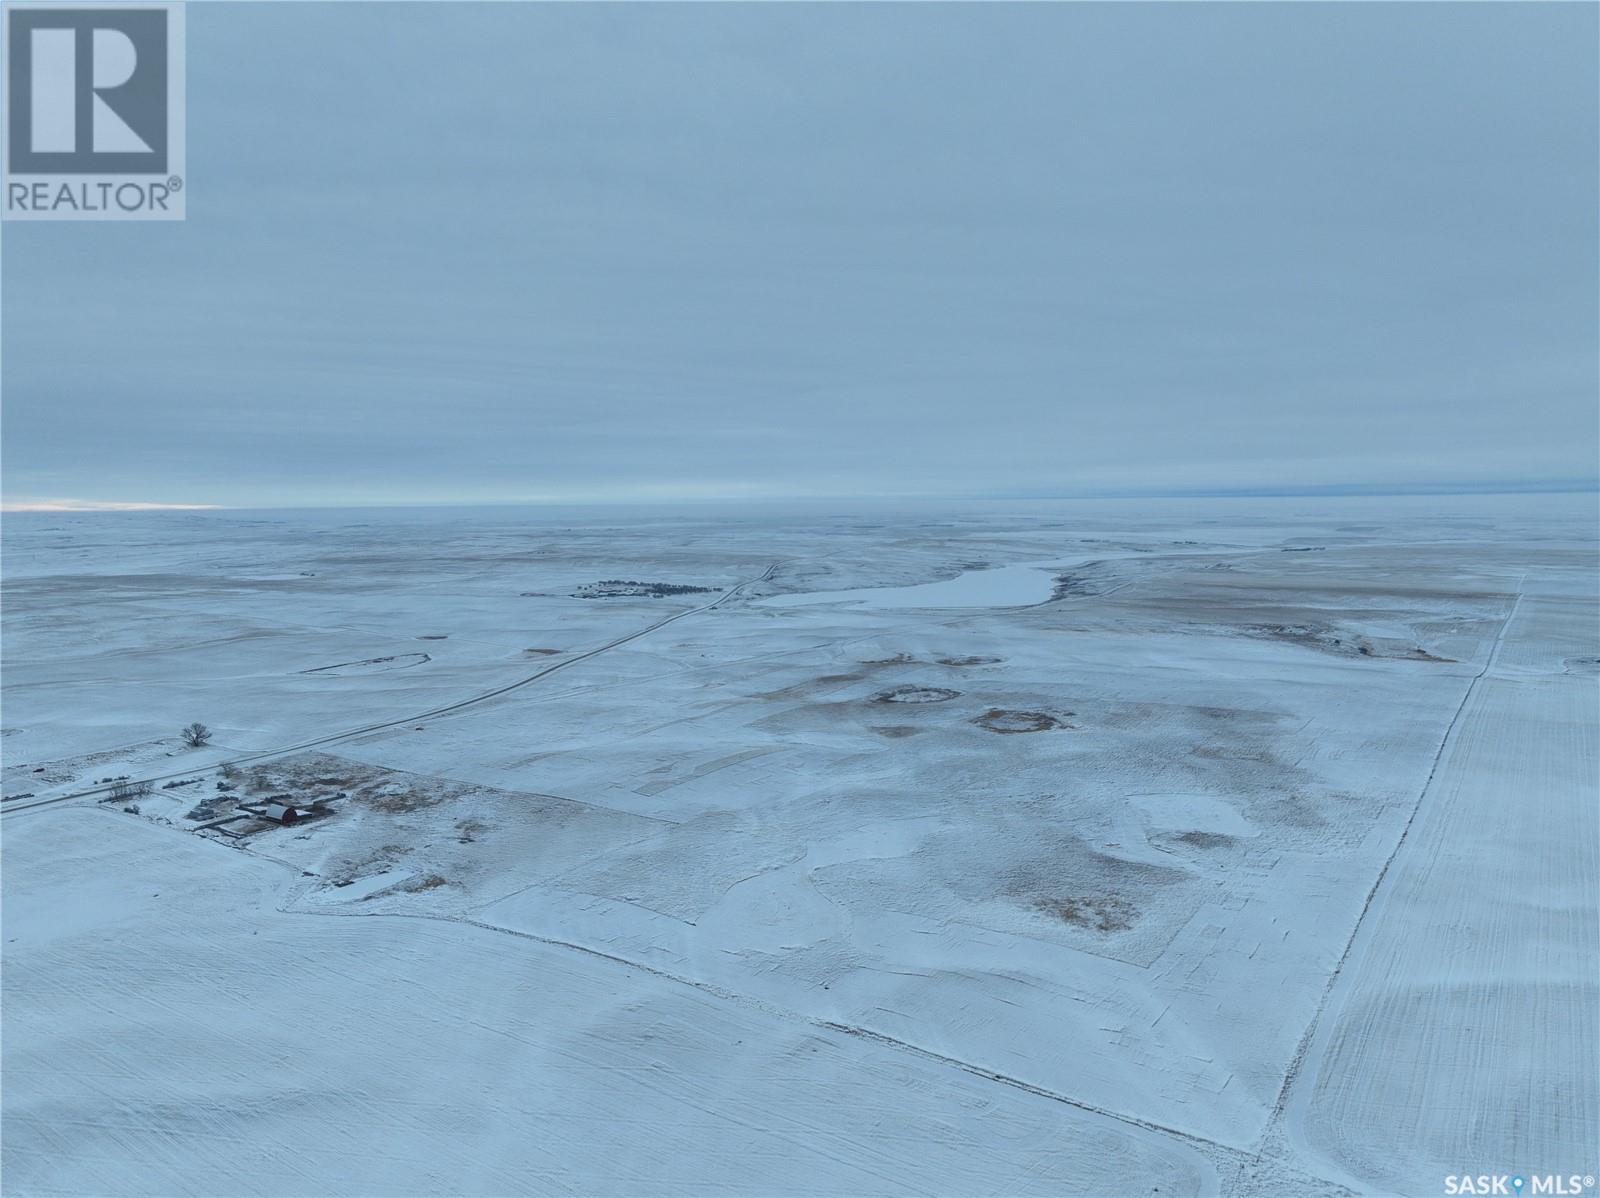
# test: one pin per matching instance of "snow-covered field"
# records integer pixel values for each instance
(1238, 846)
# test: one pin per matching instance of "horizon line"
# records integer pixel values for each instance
(1328, 490)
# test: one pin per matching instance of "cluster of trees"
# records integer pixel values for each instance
(125, 790)
(630, 586)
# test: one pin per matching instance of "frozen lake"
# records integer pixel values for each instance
(1022, 585)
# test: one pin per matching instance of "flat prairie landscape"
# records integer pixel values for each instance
(1238, 846)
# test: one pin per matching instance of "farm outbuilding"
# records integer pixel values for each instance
(280, 813)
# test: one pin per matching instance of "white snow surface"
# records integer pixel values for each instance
(1260, 860)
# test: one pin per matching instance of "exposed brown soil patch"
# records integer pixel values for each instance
(998, 719)
(1204, 840)
(1328, 640)
(917, 694)
(322, 776)
(1099, 913)
(396, 798)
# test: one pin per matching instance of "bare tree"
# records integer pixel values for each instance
(196, 734)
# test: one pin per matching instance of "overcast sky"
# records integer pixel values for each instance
(505, 252)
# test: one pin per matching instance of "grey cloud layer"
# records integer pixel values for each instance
(500, 252)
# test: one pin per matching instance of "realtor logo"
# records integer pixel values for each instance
(94, 123)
